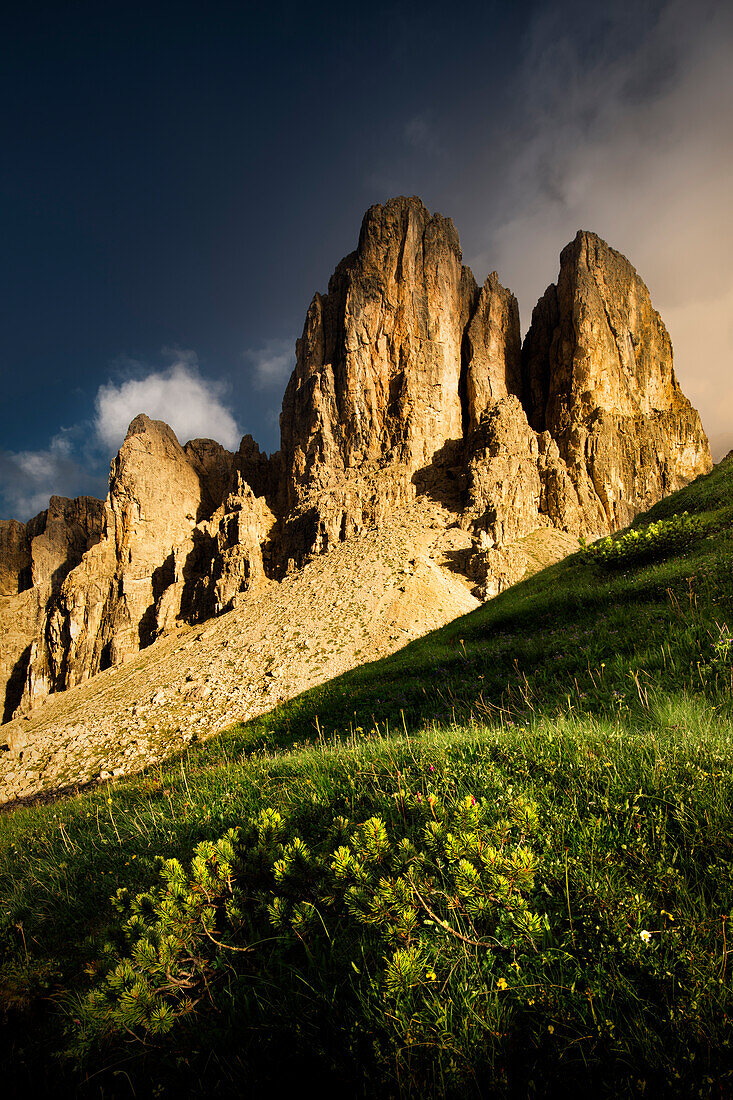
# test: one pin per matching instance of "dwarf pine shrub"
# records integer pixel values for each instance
(170, 935)
(639, 544)
(397, 908)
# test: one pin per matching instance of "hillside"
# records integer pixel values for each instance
(412, 401)
(502, 864)
(365, 599)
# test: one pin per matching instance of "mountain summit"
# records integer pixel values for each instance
(411, 389)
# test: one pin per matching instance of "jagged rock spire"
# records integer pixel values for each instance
(401, 356)
(409, 380)
(379, 363)
(598, 376)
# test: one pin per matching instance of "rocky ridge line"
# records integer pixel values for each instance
(410, 385)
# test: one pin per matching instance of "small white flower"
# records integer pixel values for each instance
(645, 936)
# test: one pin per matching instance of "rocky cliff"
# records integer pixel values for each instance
(411, 383)
(598, 376)
(35, 559)
(377, 385)
(165, 549)
(396, 365)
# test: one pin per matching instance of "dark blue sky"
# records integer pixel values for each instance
(177, 181)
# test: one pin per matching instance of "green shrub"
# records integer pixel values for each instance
(639, 544)
(169, 931)
(395, 913)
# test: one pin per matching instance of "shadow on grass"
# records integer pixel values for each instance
(584, 660)
(570, 639)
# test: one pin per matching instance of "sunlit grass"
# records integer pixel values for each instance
(603, 700)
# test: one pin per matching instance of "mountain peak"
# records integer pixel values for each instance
(411, 390)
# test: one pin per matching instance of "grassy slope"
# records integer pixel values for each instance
(603, 699)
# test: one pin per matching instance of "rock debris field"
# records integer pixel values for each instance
(368, 597)
(428, 456)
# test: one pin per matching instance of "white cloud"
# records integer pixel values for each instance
(29, 478)
(179, 395)
(272, 363)
(76, 461)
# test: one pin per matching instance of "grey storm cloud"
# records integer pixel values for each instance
(624, 128)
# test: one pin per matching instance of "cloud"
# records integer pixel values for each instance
(622, 127)
(420, 134)
(29, 478)
(272, 363)
(76, 461)
(179, 395)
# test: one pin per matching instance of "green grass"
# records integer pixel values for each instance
(585, 715)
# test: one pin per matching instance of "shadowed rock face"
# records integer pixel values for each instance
(15, 557)
(35, 559)
(41, 552)
(410, 381)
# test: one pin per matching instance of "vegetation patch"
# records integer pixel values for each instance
(498, 863)
(640, 544)
(390, 909)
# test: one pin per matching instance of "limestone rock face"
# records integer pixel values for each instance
(154, 564)
(42, 551)
(263, 474)
(21, 618)
(35, 558)
(377, 380)
(180, 535)
(517, 486)
(410, 381)
(493, 350)
(504, 478)
(214, 467)
(244, 551)
(15, 557)
(61, 535)
(598, 375)
(156, 497)
(378, 365)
